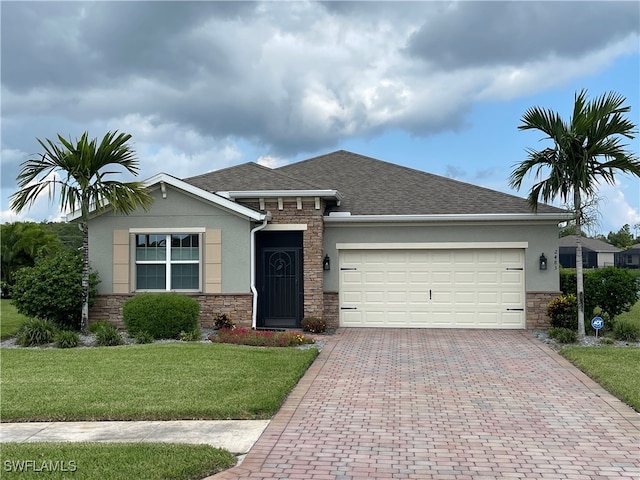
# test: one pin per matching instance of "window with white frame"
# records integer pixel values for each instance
(168, 261)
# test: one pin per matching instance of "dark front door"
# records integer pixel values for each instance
(279, 280)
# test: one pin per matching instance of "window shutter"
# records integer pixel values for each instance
(213, 262)
(121, 262)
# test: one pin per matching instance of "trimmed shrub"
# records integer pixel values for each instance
(52, 289)
(222, 320)
(563, 312)
(614, 290)
(66, 339)
(314, 324)
(108, 336)
(626, 331)
(563, 335)
(35, 331)
(162, 315)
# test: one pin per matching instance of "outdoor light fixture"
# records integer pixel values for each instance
(326, 263)
(543, 262)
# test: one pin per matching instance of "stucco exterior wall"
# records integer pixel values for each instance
(177, 210)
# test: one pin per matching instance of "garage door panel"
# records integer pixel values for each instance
(433, 288)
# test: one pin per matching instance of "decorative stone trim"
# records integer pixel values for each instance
(287, 212)
(237, 305)
(537, 303)
(331, 309)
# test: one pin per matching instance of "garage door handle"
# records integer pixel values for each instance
(429, 294)
(515, 309)
(519, 268)
(348, 268)
(348, 308)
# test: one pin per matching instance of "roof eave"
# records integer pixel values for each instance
(342, 218)
(162, 179)
(326, 194)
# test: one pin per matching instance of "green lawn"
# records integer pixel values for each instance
(632, 315)
(148, 382)
(10, 319)
(617, 369)
(112, 461)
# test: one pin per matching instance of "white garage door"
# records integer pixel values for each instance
(481, 288)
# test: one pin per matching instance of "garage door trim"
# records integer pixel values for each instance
(431, 246)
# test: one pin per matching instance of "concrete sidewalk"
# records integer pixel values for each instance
(236, 436)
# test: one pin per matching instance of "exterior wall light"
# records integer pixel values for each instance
(543, 262)
(326, 263)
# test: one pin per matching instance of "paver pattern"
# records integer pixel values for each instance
(445, 404)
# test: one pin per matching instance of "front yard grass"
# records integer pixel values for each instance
(632, 316)
(112, 461)
(169, 381)
(617, 369)
(10, 319)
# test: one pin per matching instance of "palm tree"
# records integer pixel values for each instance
(80, 169)
(586, 150)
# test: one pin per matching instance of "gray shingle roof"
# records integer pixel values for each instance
(593, 244)
(370, 187)
(248, 176)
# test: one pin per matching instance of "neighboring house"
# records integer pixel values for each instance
(629, 258)
(358, 241)
(595, 253)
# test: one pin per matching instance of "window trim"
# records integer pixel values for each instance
(168, 262)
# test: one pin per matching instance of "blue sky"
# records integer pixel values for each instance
(436, 86)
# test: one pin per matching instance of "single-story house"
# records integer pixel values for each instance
(358, 241)
(629, 258)
(595, 253)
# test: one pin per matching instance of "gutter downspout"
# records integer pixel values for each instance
(254, 310)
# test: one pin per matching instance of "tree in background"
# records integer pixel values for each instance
(623, 238)
(587, 149)
(80, 170)
(21, 243)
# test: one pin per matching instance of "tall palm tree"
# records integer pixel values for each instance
(587, 149)
(79, 170)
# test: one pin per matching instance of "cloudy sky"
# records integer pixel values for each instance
(438, 86)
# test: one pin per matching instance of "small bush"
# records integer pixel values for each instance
(95, 326)
(52, 289)
(563, 312)
(66, 339)
(191, 336)
(35, 332)
(563, 335)
(222, 320)
(607, 341)
(626, 331)
(108, 336)
(143, 337)
(260, 338)
(162, 315)
(314, 325)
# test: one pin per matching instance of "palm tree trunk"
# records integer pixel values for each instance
(579, 272)
(84, 321)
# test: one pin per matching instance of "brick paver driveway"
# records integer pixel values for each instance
(459, 404)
